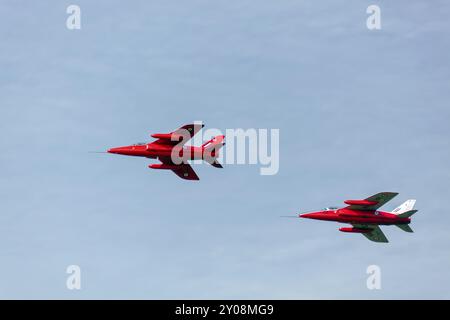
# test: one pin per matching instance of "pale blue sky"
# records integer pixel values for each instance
(359, 112)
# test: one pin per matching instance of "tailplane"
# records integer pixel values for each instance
(406, 214)
(405, 227)
(216, 164)
(405, 210)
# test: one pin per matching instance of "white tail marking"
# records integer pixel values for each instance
(404, 207)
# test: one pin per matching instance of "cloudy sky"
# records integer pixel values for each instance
(358, 111)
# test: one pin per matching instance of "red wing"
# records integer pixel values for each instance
(183, 135)
(184, 170)
(372, 203)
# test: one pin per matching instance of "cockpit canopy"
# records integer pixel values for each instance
(330, 208)
(140, 144)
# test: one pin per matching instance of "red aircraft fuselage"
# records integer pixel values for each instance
(161, 150)
(344, 215)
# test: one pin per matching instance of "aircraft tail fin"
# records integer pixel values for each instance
(408, 205)
(211, 150)
(215, 143)
(405, 227)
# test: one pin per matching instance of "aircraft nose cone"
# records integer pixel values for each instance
(305, 215)
(112, 150)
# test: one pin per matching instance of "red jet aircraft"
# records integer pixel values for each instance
(364, 217)
(170, 150)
